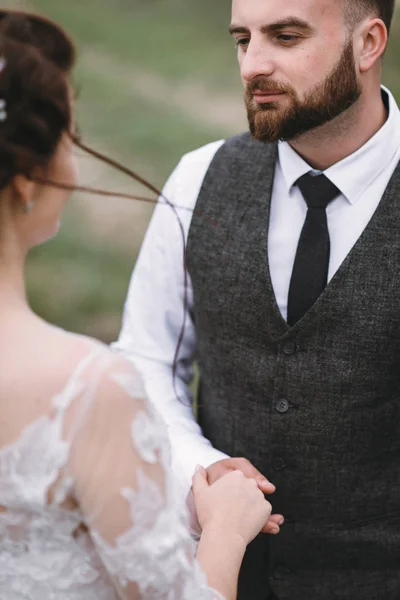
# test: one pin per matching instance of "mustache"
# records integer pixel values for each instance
(263, 84)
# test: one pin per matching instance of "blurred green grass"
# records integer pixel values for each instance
(79, 280)
(133, 128)
(178, 38)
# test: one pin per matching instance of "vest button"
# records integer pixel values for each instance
(281, 572)
(289, 348)
(282, 406)
(278, 464)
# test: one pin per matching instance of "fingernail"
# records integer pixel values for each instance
(197, 468)
(281, 522)
(268, 484)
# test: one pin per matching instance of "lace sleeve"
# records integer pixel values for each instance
(119, 464)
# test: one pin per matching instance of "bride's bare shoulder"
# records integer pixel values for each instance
(60, 342)
(96, 364)
(40, 362)
(53, 354)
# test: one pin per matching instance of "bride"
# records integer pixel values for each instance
(87, 507)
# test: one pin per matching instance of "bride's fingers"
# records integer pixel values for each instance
(199, 480)
(273, 524)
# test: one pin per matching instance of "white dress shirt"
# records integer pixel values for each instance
(153, 312)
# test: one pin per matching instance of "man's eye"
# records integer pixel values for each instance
(286, 38)
(242, 43)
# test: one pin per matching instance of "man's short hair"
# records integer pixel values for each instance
(356, 10)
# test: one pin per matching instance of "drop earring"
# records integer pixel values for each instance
(28, 208)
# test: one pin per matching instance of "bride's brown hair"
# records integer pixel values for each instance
(36, 60)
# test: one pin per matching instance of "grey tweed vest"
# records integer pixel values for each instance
(315, 407)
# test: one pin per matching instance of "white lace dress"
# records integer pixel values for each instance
(87, 507)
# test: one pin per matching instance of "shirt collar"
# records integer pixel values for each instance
(356, 172)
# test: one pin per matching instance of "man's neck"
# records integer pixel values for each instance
(331, 143)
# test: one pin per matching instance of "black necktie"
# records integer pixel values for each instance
(310, 270)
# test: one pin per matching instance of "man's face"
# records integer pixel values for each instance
(297, 64)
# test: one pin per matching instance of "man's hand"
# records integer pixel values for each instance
(222, 467)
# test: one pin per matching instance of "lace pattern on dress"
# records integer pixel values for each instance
(54, 553)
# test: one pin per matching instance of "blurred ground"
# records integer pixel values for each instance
(155, 79)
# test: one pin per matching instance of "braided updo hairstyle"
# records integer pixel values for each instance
(37, 58)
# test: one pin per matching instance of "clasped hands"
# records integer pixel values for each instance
(223, 467)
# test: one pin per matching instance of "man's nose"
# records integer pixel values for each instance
(256, 62)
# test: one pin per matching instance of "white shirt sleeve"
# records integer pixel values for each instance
(154, 313)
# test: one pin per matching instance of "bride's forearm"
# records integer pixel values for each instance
(220, 555)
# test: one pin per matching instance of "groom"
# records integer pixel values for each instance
(293, 254)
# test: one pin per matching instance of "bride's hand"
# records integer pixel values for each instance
(234, 503)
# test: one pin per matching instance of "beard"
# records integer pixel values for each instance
(327, 100)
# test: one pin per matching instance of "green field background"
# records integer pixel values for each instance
(155, 79)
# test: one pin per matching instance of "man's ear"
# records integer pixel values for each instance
(374, 41)
(23, 190)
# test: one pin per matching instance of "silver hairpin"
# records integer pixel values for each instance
(3, 104)
(3, 109)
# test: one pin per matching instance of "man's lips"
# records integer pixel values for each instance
(263, 97)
